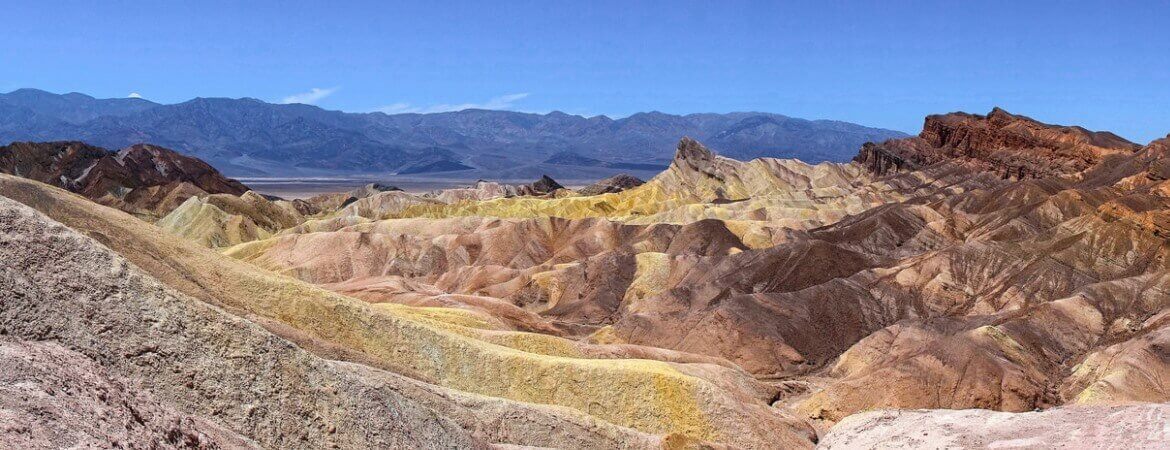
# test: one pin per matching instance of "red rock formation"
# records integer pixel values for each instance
(1015, 147)
(143, 179)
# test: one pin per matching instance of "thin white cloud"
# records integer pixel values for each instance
(398, 108)
(503, 102)
(134, 95)
(309, 98)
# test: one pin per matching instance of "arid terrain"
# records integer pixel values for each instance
(994, 282)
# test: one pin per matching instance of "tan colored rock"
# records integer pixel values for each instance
(1123, 427)
(52, 397)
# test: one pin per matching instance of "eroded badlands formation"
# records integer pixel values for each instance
(144, 180)
(992, 262)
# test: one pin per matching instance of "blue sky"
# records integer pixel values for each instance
(1104, 65)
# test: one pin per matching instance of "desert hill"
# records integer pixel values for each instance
(994, 262)
(142, 179)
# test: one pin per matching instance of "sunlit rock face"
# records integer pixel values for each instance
(1013, 146)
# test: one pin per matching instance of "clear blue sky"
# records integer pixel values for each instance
(1105, 65)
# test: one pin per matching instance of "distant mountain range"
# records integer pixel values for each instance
(249, 137)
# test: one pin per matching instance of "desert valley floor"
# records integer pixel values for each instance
(994, 282)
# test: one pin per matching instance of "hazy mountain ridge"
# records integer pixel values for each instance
(249, 136)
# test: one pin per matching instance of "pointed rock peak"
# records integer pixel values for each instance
(546, 184)
(692, 157)
(625, 178)
(691, 150)
(999, 115)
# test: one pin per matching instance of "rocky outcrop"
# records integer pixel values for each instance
(141, 179)
(692, 156)
(1012, 146)
(545, 185)
(886, 158)
(614, 184)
